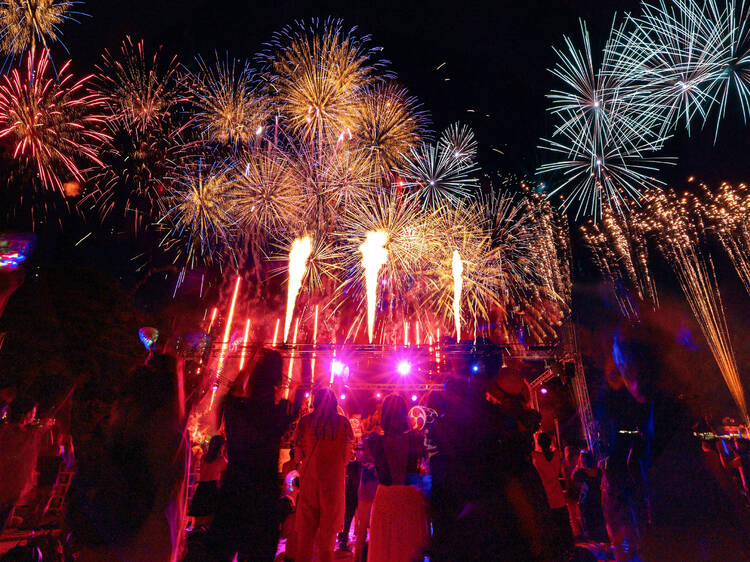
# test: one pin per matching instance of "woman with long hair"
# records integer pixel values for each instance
(206, 497)
(323, 444)
(398, 524)
(246, 523)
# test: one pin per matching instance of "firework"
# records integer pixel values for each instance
(227, 330)
(316, 74)
(728, 212)
(328, 179)
(459, 140)
(672, 52)
(678, 235)
(620, 252)
(229, 108)
(148, 135)
(245, 342)
(26, 22)
(52, 126)
(200, 216)
(374, 256)
(141, 88)
(266, 196)
(389, 124)
(298, 256)
(457, 268)
(735, 75)
(438, 175)
(605, 130)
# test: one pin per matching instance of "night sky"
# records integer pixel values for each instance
(496, 54)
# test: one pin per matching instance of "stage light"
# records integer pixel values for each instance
(413, 397)
(403, 368)
(337, 368)
(475, 368)
(543, 390)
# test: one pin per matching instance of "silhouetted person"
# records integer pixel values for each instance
(247, 519)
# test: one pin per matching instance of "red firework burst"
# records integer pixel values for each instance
(51, 125)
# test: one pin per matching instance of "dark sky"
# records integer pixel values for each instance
(496, 54)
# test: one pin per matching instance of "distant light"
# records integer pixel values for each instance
(543, 390)
(378, 395)
(307, 395)
(259, 130)
(337, 367)
(343, 396)
(403, 368)
(413, 397)
(475, 368)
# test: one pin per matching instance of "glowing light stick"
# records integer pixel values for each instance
(275, 333)
(406, 333)
(228, 329)
(291, 360)
(458, 283)
(298, 255)
(374, 256)
(244, 344)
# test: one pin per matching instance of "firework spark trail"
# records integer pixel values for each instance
(288, 384)
(298, 256)
(227, 329)
(244, 343)
(374, 256)
(677, 237)
(728, 212)
(458, 283)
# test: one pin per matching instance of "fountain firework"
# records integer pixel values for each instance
(374, 256)
(458, 283)
(298, 255)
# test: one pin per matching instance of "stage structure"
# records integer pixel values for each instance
(381, 369)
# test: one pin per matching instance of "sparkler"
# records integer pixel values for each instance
(458, 283)
(298, 255)
(374, 256)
